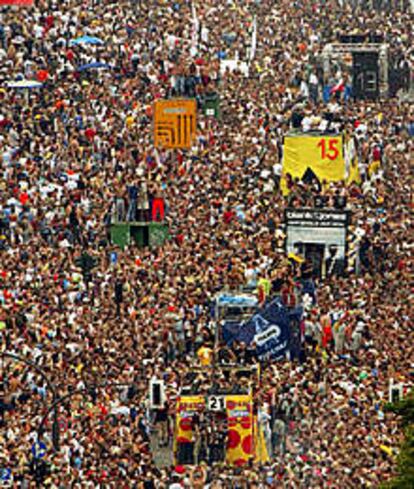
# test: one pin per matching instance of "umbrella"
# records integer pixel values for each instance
(97, 65)
(86, 40)
(24, 84)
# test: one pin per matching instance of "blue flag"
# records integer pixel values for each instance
(269, 329)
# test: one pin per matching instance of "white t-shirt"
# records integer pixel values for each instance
(313, 79)
(277, 169)
(306, 123)
(38, 31)
(304, 90)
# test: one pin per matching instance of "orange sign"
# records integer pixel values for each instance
(174, 123)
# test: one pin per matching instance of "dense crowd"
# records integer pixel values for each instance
(75, 153)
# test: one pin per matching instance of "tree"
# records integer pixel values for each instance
(405, 461)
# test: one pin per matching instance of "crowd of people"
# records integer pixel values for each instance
(77, 155)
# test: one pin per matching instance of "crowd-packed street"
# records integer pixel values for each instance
(77, 155)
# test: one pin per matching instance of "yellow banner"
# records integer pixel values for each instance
(322, 154)
(187, 406)
(240, 442)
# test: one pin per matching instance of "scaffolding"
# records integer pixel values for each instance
(336, 51)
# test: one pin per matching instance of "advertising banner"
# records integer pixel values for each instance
(321, 154)
(175, 123)
(273, 330)
(240, 440)
(187, 406)
(269, 328)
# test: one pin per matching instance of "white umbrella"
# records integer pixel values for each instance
(24, 84)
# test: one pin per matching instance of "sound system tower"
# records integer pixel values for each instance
(365, 73)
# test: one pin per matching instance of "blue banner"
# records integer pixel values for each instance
(269, 329)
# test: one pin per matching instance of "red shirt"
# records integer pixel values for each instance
(23, 198)
(327, 335)
(228, 216)
(90, 133)
(376, 154)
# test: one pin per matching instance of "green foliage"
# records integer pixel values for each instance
(405, 461)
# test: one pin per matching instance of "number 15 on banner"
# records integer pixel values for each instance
(329, 149)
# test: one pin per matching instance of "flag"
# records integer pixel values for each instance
(261, 453)
(354, 175)
(195, 30)
(271, 330)
(386, 449)
(339, 87)
(296, 258)
(254, 40)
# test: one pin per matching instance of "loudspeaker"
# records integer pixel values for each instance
(365, 73)
(396, 392)
(157, 394)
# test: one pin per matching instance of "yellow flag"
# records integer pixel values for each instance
(354, 175)
(296, 258)
(262, 455)
(387, 450)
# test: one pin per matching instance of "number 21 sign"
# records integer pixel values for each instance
(216, 403)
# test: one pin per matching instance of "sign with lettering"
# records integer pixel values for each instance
(240, 437)
(175, 123)
(317, 218)
(186, 409)
(318, 235)
(271, 326)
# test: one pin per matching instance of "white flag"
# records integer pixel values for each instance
(195, 29)
(254, 39)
